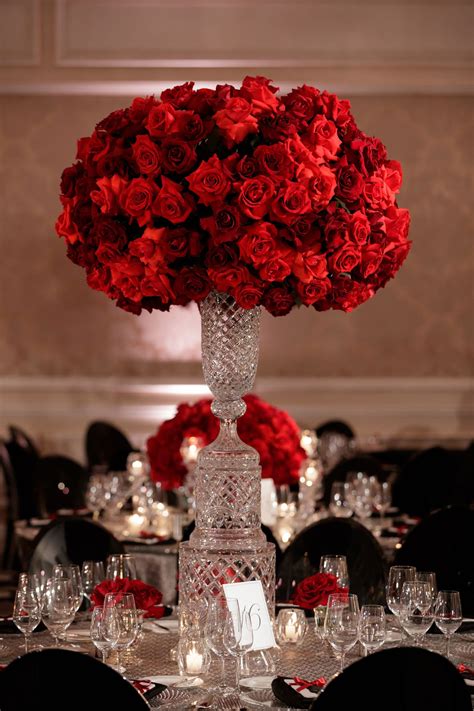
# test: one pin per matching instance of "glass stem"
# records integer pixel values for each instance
(448, 641)
(223, 670)
(237, 672)
(26, 643)
(343, 657)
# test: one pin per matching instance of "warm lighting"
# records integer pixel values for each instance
(193, 654)
(194, 662)
(135, 523)
(291, 626)
(190, 449)
(309, 442)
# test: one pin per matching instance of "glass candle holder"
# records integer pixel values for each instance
(319, 621)
(193, 656)
(291, 626)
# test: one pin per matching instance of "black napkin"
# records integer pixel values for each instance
(466, 626)
(7, 626)
(290, 690)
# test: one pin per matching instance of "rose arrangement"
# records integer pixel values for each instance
(272, 432)
(147, 597)
(315, 590)
(275, 200)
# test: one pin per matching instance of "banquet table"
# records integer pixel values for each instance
(150, 659)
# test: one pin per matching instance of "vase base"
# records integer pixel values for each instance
(203, 572)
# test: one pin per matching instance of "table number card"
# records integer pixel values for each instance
(251, 599)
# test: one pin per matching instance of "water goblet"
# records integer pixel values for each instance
(58, 607)
(123, 605)
(92, 575)
(26, 612)
(397, 575)
(238, 635)
(339, 504)
(416, 609)
(121, 565)
(335, 565)
(105, 631)
(448, 614)
(215, 635)
(342, 624)
(372, 627)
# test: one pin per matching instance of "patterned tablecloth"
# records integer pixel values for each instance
(151, 658)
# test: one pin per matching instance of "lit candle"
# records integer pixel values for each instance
(135, 523)
(291, 632)
(194, 661)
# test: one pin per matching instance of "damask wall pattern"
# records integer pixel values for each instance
(52, 324)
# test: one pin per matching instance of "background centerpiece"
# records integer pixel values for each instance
(235, 198)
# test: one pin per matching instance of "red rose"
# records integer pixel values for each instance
(247, 294)
(229, 277)
(261, 94)
(345, 259)
(247, 167)
(65, 227)
(235, 120)
(190, 126)
(302, 102)
(377, 193)
(315, 590)
(369, 153)
(192, 283)
(177, 243)
(209, 181)
(179, 96)
(359, 228)
(338, 110)
(396, 222)
(69, 178)
(291, 202)
(313, 290)
(309, 265)
(255, 196)
(156, 286)
(146, 596)
(146, 155)
(109, 194)
(141, 107)
(222, 256)
(337, 227)
(321, 187)
(349, 183)
(223, 225)
(137, 199)
(170, 202)
(275, 162)
(322, 138)
(278, 300)
(160, 120)
(177, 156)
(258, 243)
(126, 275)
(371, 256)
(277, 267)
(146, 247)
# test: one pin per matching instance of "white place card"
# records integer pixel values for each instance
(251, 599)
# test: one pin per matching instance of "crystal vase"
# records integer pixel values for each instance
(227, 544)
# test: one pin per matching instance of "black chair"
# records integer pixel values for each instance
(427, 482)
(72, 540)
(363, 463)
(443, 543)
(59, 679)
(400, 679)
(337, 427)
(106, 446)
(335, 536)
(24, 458)
(6, 472)
(59, 483)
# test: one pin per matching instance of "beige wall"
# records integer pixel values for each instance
(401, 363)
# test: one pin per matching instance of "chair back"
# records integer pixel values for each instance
(335, 536)
(443, 543)
(8, 483)
(393, 679)
(106, 446)
(59, 679)
(72, 540)
(23, 440)
(24, 458)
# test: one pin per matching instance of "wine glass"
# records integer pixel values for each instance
(215, 635)
(71, 572)
(238, 634)
(58, 606)
(372, 627)
(430, 578)
(39, 580)
(397, 575)
(339, 504)
(92, 575)
(26, 612)
(121, 565)
(342, 623)
(416, 609)
(383, 498)
(448, 614)
(124, 608)
(335, 565)
(105, 630)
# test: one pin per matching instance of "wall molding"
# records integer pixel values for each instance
(20, 33)
(57, 410)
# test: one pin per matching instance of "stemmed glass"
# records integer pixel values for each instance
(397, 575)
(121, 565)
(238, 635)
(105, 630)
(372, 627)
(448, 614)
(58, 607)
(416, 609)
(430, 578)
(342, 623)
(71, 572)
(383, 499)
(26, 612)
(122, 605)
(339, 500)
(215, 635)
(335, 565)
(92, 575)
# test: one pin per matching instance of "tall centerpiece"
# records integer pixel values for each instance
(237, 199)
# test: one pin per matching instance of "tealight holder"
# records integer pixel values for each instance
(291, 626)
(320, 621)
(193, 655)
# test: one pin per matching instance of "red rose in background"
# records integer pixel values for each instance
(146, 155)
(209, 182)
(315, 590)
(273, 433)
(236, 120)
(146, 596)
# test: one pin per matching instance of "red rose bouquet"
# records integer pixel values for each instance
(275, 200)
(272, 432)
(146, 596)
(315, 590)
